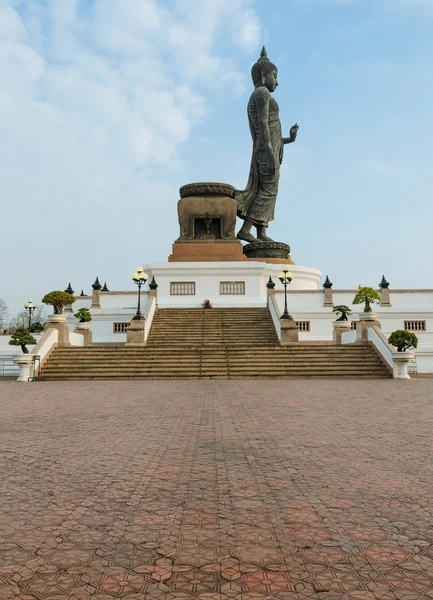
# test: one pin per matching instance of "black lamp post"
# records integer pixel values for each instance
(30, 307)
(285, 277)
(139, 278)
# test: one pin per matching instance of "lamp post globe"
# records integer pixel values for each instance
(286, 278)
(139, 278)
(30, 307)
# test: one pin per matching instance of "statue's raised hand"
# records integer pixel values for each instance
(294, 131)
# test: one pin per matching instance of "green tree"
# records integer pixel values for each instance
(403, 340)
(58, 300)
(83, 315)
(342, 310)
(366, 296)
(21, 337)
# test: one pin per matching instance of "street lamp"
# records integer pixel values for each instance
(139, 278)
(285, 277)
(30, 307)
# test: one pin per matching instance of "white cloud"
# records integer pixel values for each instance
(93, 102)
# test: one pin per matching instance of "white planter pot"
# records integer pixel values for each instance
(57, 318)
(25, 363)
(368, 316)
(344, 325)
(401, 360)
(82, 326)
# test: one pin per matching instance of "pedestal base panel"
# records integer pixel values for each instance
(208, 251)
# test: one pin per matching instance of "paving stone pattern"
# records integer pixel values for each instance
(168, 490)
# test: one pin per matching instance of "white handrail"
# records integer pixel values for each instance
(46, 344)
(275, 314)
(348, 337)
(376, 337)
(149, 313)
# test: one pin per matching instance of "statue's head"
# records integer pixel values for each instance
(264, 72)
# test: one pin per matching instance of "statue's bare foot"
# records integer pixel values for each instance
(246, 237)
(262, 237)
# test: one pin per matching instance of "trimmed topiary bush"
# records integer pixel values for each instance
(366, 296)
(22, 337)
(83, 315)
(58, 300)
(342, 310)
(403, 340)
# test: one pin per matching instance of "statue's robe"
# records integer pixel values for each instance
(257, 202)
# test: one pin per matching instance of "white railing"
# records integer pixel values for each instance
(76, 339)
(275, 314)
(46, 343)
(149, 313)
(348, 337)
(379, 341)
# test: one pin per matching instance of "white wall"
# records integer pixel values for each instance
(303, 304)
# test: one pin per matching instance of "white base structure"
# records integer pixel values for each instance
(244, 284)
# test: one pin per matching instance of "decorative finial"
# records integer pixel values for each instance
(263, 53)
(270, 285)
(96, 285)
(105, 289)
(82, 293)
(69, 289)
(153, 285)
(327, 285)
(384, 284)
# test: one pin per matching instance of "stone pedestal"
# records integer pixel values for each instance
(96, 299)
(386, 298)
(272, 252)
(366, 320)
(84, 330)
(59, 322)
(401, 360)
(135, 333)
(328, 301)
(207, 220)
(25, 363)
(340, 327)
(289, 331)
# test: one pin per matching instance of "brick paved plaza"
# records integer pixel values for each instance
(216, 489)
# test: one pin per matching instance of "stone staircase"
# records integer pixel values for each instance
(229, 343)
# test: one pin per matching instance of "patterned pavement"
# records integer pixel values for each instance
(213, 490)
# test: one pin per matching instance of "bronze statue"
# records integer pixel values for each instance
(256, 203)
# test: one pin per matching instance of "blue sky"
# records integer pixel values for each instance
(107, 107)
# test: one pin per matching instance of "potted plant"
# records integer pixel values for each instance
(58, 300)
(366, 296)
(206, 304)
(83, 315)
(22, 337)
(342, 310)
(403, 340)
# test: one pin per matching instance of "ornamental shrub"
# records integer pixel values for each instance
(58, 300)
(36, 327)
(83, 315)
(21, 337)
(206, 304)
(403, 340)
(367, 296)
(342, 310)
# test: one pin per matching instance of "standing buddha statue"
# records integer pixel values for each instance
(256, 204)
